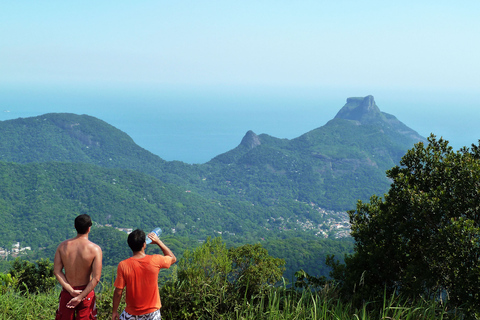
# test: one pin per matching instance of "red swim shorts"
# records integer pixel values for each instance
(86, 310)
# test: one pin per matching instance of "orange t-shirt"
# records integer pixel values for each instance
(140, 277)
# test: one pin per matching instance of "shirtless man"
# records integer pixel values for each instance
(77, 267)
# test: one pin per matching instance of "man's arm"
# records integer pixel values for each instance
(166, 251)
(117, 296)
(58, 272)
(94, 280)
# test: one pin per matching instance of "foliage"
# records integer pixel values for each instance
(44, 198)
(56, 166)
(306, 253)
(200, 296)
(423, 239)
(33, 277)
(212, 280)
(113, 243)
(104, 299)
(253, 270)
(18, 304)
(283, 304)
(7, 282)
(308, 282)
(22, 306)
(199, 285)
(5, 265)
(276, 303)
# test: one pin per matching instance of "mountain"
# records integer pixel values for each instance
(366, 112)
(331, 166)
(69, 138)
(55, 166)
(39, 201)
(66, 137)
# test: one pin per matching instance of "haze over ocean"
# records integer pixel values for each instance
(194, 125)
(186, 80)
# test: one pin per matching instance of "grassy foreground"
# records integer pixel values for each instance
(278, 303)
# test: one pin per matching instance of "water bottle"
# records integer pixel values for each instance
(157, 231)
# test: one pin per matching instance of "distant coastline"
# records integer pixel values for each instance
(194, 126)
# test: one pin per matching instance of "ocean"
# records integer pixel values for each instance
(194, 125)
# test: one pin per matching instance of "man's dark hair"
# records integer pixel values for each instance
(82, 223)
(136, 239)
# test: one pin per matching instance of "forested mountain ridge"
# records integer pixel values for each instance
(332, 166)
(67, 137)
(55, 166)
(39, 201)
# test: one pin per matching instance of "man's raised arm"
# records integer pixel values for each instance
(166, 251)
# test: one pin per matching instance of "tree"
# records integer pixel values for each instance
(7, 282)
(199, 285)
(254, 269)
(212, 280)
(423, 238)
(33, 277)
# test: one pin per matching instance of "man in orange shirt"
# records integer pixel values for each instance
(77, 266)
(139, 274)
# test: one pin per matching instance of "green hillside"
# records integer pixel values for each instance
(332, 166)
(66, 137)
(270, 190)
(44, 198)
(39, 201)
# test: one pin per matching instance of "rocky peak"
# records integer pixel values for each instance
(360, 109)
(250, 140)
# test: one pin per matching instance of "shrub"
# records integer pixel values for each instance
(33, 277)
(211, 281)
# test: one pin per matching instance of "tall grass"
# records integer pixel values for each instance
(308, 305)
(16, 305)
(277, 304)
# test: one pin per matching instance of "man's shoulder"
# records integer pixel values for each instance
(94, 246)
(162, 259)
(125, 261)
(83, 243)
(64, 244)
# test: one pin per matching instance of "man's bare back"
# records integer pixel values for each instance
(78, 263)
(77, 257)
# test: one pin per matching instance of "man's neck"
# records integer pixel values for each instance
(139, 254)
(82, 236)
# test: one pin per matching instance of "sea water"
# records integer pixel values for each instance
(194, 125)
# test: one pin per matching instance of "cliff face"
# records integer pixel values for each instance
(364, 111)
(360, 109)
(250, 140)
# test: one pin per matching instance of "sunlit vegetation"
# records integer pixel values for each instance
(213, 282)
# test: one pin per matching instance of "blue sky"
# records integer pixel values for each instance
(420, 55)
(419, 44)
